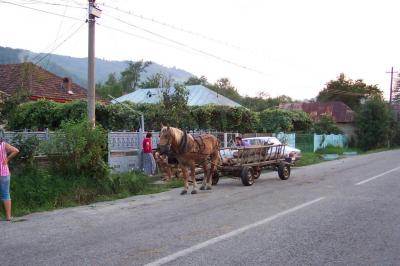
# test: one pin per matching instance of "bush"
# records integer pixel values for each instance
(326, 125)
(278, 120)
(42, 114)
(28, 148)
(79, 150)
(373, 122)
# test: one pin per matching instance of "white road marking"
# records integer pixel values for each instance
(236, 232)
(377, 176)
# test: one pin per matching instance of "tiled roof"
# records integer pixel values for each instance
(198, 95)
(339, 111)
(40, 83)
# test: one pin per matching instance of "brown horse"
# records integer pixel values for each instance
(190, 151)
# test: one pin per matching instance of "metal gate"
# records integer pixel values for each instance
(305, 142)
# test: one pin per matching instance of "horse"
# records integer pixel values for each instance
(190, 151)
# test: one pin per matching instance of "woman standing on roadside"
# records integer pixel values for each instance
(6, 153)
(149, 164)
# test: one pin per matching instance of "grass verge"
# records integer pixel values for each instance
(309, 158)
(39, 190)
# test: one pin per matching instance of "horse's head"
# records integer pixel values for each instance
(165, 140)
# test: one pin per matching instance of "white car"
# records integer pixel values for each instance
(290, 152)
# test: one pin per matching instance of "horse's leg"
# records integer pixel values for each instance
(205, 169)
(215, 159)
(185, 178)
(193, 175)
(210, 176)
(168, 172)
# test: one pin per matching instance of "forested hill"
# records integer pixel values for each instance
(76, 68)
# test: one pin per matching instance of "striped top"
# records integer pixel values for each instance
(4, 171)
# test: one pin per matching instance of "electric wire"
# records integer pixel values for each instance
(40, 10)
(187, 46)
(135, 35)
(61, 43)
(200, 51)
(58, 32)
(203, 36)
(49, 3)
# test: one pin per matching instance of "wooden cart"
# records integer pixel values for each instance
(247, 163)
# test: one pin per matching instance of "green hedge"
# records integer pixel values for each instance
(47, 114)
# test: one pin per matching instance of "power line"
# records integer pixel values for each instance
(52, 45)
(135, 35)
(40, 10)
(56, 47)
(58, 31)
(203, 36)
(49, 3)
(187, 46)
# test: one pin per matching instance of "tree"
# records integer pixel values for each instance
(197, 81)
(276, 120)
(326, 125)
(111, 87)
(348, 91)
(130, 77)
(224, 87)
(280, 120)
(175, 104)
(158, 80)
(262, 102)
(374, 123)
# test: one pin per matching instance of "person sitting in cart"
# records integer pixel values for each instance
(240, 143)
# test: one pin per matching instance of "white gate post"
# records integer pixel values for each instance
(225, 140)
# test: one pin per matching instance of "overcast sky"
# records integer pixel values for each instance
(286, 47)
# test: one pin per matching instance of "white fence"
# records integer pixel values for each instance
(322, 141)
(8, 136)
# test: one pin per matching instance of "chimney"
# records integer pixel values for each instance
(67, 85)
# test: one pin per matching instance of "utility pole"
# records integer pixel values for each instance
(391, 85)
(94, 13)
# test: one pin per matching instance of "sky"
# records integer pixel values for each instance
(286, 47)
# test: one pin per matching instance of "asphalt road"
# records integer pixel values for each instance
(344, 212)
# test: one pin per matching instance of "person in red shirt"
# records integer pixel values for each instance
(149, 164)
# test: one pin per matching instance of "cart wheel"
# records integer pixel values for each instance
(215, 178)
(256, 172)
(247, 176)
(284, 171)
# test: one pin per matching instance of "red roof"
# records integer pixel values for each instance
(339, 111)
(40, 83)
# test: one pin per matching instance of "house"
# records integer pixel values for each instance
(339, 111)
(198, 95)
(38, 83)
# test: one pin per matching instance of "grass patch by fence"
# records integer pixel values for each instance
(308, 158)
(337, 150)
